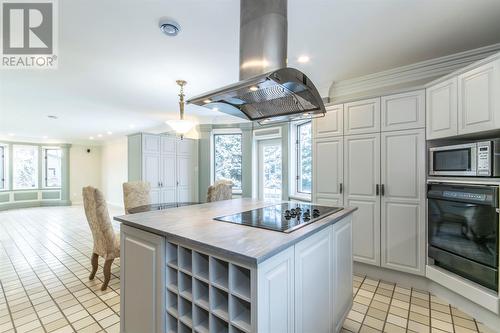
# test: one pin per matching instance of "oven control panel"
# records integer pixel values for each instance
(464, 195)
(483, 158)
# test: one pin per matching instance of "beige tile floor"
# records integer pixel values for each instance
(44, 286)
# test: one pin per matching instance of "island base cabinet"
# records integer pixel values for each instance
(308, 288)
(142, 304)
(168, 286)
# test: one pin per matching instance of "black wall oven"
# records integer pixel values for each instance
(463, 230)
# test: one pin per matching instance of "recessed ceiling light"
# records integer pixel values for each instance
(306, 114)
(109, 132)
(91, 137)
(11, 134)
(51, 116)
(254, 88)
(170, 28)
(208, 100)
(303, 59)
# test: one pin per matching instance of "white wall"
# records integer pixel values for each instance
(84, 170)
(114, 170)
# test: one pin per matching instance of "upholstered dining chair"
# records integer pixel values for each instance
(220, 190)
(136, 194)
(106, 242)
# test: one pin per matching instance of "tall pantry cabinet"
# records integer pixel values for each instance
(168, 163)
(371, 154)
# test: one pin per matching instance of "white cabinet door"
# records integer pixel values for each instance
(328, 171)
(403, 111)
(342, 271)
(151, 169)
(442, 109)
(332, 124)
(403, 201)
(361, 178)
(362, 116)
(151, 144)
(169, 178)
(168, 145)
(185, 190)
(185, 147)
(478, 100)
(142, 259)
(275, 293)
(314, 283)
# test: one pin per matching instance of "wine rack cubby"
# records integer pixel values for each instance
(206, 294)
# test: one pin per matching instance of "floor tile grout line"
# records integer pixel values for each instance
(389, 308)
(82, 253)
(371, 301)
(452, 321)
(57, 277)
(7, 303)
(71, 292)
(22, 284)
(78, 262)
(409, 312)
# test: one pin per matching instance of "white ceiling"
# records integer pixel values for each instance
(117, 71)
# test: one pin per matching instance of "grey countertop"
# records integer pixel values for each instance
(194, 225)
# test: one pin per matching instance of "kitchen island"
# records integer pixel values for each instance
(182, 271)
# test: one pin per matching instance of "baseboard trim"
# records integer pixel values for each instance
(453, 297)
(34, 203)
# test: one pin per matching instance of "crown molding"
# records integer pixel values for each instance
(404, 75)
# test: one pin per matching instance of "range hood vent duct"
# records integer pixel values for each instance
(268, 91)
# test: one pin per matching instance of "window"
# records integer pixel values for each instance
(52, 167)
(227, 158)
(2, 168)
(303, 158)
(25, 167)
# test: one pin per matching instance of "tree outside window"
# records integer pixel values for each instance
(25, 167)
(304, 158)
(227, 158)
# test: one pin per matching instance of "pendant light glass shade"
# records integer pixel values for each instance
(180, 126)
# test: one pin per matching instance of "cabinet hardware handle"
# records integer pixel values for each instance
(377, 189)
(382, 189)
(159, 184)
(341, 188)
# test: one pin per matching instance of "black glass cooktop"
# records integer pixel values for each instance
(285, 217)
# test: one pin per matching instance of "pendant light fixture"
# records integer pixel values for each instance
(181, 126)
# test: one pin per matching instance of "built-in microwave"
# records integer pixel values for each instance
(471, 159)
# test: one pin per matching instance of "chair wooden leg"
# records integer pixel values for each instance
(107, 273)
(95, 264)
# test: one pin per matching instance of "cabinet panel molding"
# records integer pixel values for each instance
(442, 109)
(362, 116)
(403, 203)
(328, 170)
(332, 124)
(276, 287)
(478, 105)
(403, 111)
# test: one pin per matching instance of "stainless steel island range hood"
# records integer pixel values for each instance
(268, 91)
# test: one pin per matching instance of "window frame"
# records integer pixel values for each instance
(224, 131)
(45, 166)
(36, 149)
(296, 160)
